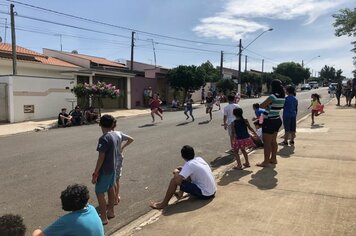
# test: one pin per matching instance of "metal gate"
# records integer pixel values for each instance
(3, 103)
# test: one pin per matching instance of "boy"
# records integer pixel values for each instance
(229, 118)
(12, 225)
(104, 173)
(64, 119)
(120, 149)
(82, 219)
(195, 178)
(258, 140)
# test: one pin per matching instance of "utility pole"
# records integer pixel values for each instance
(5, 30)
(239, 72)
(245, 63)
(221, 64)
(302, 64)
(132, 49)
(13, 40)
(60, 39)
(154, 52)
(263, 64)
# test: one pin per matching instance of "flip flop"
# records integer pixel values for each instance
(246, 165)
(237, 167)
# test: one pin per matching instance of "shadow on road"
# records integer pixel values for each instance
(204, 122)
(147, 125)
(186, 205)
(222, 161)
(183, 123)
(264, 179)
(233, 175)
(317, 126)
(286, 151)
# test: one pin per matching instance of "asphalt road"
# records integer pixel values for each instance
(36, 167)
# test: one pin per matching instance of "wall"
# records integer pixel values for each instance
(48, 95)
(138, 84)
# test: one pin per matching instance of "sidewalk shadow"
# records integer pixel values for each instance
(183, 123)
(147, 125)
(233, 175)
(317, 126)
(222, 161)
(286, 151)
(264, 179)
(204, 122)
(185, 205)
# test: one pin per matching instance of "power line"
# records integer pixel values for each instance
(116, 26)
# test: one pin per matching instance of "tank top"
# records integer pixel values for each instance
(241, 129)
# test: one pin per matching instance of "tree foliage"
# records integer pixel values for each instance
(226, 85)
(208, 72)
(328, 73)
(345, 24)
(293, 70)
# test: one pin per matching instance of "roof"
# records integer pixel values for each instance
(24, 54)
(97, 60)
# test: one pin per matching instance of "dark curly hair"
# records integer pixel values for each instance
(12, 225)
(187, 152)
(74, 197)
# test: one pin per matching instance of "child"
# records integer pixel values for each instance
(258, 139)
(189, 107)
(290, 110)
(317, 107)
(218, 100)
(120, 149)
(155, 104)
(242, 139)
(104, 173)
(259, 112)
(209, 104)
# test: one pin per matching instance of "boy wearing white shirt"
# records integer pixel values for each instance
(229, 117)
(195, 178)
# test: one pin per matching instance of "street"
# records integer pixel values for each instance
(36, 167)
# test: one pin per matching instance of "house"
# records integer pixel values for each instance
(94, 69)
(40, 88)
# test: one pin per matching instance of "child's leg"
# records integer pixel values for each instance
(185, 113)
(111, 198)
(312, 116)
(117, 192)
(191, 114)
(247, 163)
(210, 113)
(159, 114)
(237, 158)
(153, 116)
(102, 207)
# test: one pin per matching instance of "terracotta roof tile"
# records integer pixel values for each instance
(37, 57)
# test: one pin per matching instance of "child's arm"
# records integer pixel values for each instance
(99, 163)
(128, 142)
(249, 127)
(233, 130)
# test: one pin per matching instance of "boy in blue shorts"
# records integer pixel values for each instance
(104, 173)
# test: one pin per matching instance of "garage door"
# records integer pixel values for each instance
(3, 103)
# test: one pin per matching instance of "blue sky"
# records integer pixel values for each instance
(302, 30)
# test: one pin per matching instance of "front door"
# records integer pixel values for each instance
(3, 103)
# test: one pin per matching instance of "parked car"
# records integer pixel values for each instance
(314, 84)
(305, 87)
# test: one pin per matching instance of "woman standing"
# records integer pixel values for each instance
(273, 105)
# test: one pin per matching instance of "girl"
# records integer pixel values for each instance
(189, 107)
(218, 100)
(209, 104)
(317, 107)
(242, 139)
(155, 103)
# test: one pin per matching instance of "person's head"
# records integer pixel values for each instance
(315, 96)
(277, 88)
(12, 225)
(187, 152)
(210, 94)
(290, 90)
(257, 124)
(231, 98)
(238, 113)
(64, 110)
(255, 106)
(75, 197)
(77, 108)
(107, 121)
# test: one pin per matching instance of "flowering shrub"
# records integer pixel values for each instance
(100, 89)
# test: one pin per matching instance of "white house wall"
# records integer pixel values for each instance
(48, 95)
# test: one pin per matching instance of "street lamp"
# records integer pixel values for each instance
(309, 61)
(240, 51)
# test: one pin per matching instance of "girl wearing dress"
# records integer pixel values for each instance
(242, 138)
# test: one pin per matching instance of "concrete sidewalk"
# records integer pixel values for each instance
(312, 190)
(29, 126)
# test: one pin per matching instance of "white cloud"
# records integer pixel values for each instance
(240, 17)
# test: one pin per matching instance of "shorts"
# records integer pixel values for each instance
(271, 125)
(190, 109)
(118, 170)
(229, 129)
(105, 182)
(290, 124)
(209, 105)
(193, 189)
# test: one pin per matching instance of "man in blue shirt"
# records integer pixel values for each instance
(82, 220)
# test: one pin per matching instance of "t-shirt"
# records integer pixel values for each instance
(290, 107)
(228, 112)
(209, 99)
(77, 223)
(189, 102)
(121, 137)
(200, 173)
(276, 106)
(259, 112)
(60, 120)
(259, 133)
(108, 143)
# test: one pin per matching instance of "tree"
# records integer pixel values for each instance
(330, 74)
(226, 85)
(345, 24)
(294, 71)
(185, 78)
(208, 72)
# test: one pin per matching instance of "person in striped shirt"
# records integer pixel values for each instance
(273, 105)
